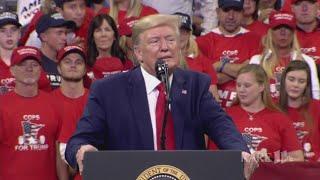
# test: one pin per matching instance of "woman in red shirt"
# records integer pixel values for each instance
(267, 131)
(296, 100)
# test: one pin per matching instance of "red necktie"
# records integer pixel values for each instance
(160, 111)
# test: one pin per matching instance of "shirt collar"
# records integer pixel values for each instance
(241, 31)
(151, 81)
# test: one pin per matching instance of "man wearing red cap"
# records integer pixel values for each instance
(308, 29)
(229, 46)
(71, 96)
(29, 123)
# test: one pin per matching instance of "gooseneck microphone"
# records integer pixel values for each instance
(162, 73)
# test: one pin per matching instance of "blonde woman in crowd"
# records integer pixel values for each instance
(280, 47)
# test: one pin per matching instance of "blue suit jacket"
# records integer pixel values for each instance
(117, 116)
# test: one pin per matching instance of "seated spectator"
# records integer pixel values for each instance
(192, 58)
(267, 131)
(10, 33)
(250, 18)
(303, 111)
(229, 47)
(119, 10)
(280, 47)
(105, 57)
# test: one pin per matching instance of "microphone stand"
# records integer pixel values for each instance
(163, 137)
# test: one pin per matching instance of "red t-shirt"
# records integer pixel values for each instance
(72, 109)
(7, 80)
(309, 139)
(276, 79)
(268, 129)
(238, 49)
(145, 11)
(258, 28)
(29, 128)
(202, 64)
(309, 43)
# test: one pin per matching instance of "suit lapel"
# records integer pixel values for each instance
(139, 103)
(178, 102)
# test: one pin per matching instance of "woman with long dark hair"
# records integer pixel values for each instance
(303, 111)
(105, 56)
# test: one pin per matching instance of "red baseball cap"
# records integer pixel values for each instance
(63, 52)
(23, 53)
(125, 27)
(278, 18)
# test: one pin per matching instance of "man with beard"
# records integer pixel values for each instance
(229, 47)
(71, 96)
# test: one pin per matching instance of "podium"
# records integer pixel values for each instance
(163, 165)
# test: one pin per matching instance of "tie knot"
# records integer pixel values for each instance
(160, 87)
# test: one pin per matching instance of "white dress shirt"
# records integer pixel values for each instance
(151, 83)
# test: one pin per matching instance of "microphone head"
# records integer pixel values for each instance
(161, 69)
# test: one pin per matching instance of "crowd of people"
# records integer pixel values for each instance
(80, 77)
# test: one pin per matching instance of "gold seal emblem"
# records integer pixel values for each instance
(163, 172)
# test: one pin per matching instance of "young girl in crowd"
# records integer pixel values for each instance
(296, 100)
(105, 57)
(267, 131)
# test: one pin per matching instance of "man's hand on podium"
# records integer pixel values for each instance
(250, 164)
(80, 155)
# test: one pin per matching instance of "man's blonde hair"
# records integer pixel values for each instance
(153, 21)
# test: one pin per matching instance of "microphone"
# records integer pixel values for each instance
(162, 74)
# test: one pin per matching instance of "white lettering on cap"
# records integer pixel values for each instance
(27, 51)
(8, 15)
(68, 48)
(57, 16)
(283, 16)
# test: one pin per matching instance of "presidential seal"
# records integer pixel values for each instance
(163, 172)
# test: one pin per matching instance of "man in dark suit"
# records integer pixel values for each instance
(121, 113)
